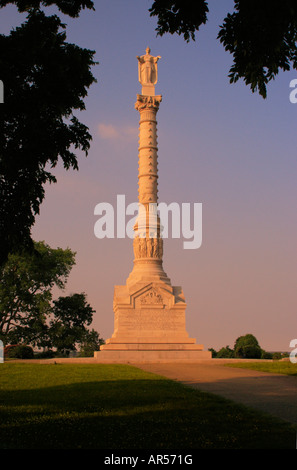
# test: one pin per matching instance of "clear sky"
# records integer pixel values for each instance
(219, 145)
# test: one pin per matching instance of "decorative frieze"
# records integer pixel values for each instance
(148, 247)
(152, 297)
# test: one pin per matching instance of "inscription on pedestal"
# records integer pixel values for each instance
(158, 320)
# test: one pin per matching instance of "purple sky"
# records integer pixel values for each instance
(219, 145)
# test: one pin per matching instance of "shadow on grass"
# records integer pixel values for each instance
(132, 414)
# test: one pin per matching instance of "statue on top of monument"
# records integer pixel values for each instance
(148, 68)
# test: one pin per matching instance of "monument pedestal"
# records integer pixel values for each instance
(150, 325)
(149, 313)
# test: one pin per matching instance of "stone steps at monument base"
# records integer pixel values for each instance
(179, 336)
(151, 347)
(153, 356)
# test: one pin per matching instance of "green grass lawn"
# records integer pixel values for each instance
(72, 406)
(276, 367)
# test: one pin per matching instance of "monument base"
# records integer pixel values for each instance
(151, 356)
(150, 326)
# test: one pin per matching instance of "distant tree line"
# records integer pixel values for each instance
(246, 347)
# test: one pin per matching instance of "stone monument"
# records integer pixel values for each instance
(149, 313)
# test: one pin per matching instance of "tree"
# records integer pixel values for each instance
(262, 38)
(71, 315)
(261, 35)
(46, 80)
(68, 7)
(179, 16)
(247, 347)
(20, 351)
(213, 352)
(26, 281)
(225, 352)
(91, 342)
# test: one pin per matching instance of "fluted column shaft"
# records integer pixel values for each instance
(148, 149)
(147, 242)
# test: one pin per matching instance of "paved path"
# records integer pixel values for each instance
(272, 393)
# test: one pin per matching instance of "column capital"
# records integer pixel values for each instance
(146, 102)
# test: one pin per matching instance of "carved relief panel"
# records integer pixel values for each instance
(148, 247)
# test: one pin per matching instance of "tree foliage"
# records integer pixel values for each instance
(90, 342)
(70, 317)
(46, 80)
(183, 17)
(68, 7)
(20, 351)
(225, 352)
(26, 282)
(247, 347)
(29, 315)
(260, 35)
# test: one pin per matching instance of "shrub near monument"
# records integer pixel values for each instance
(245, 347)
(18, 351)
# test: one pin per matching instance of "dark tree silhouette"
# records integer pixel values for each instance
(260, 34)
(46, 80)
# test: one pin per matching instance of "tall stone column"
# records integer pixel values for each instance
(149, 313)
(148, 242)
